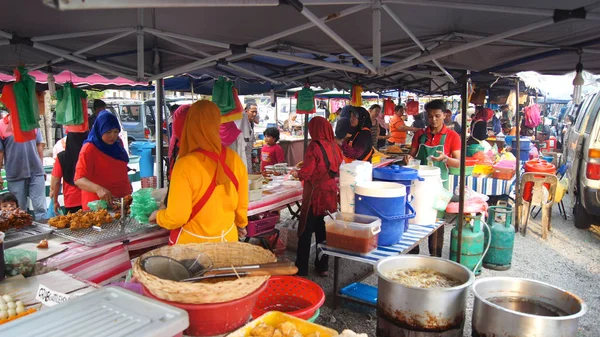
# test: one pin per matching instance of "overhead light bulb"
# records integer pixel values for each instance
(578, 82)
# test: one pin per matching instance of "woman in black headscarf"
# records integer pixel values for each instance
(359, 146)
(64, 168)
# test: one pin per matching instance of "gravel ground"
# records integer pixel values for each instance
(569, 259)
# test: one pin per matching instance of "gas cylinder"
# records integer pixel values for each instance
(472, 242)
(499, 255)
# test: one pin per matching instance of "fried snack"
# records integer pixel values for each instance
(81, 219)
(262, 330)
(300, 164)
(43, 244)
(287, 328)
(394, 149)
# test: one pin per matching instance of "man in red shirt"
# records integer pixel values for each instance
(442, 145)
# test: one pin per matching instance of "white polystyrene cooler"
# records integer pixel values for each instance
(107, 312)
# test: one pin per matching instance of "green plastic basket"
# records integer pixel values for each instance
(315, 316)
(456, 170)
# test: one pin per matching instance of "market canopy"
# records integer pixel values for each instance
(416, 45)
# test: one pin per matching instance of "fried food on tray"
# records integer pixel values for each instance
(82, 219)
(43, 244)
(394, 149)
(285, 329)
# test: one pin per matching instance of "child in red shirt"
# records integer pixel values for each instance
(271, 153)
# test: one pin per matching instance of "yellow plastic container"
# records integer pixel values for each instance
(273, 318)
(483, 170)
(376, 159)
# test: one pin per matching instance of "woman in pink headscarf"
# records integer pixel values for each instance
(178, 121)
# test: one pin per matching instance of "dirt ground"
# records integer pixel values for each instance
(569, 259)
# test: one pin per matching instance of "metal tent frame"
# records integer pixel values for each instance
(374, 68)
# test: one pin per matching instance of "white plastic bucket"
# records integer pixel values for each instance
(424, 200)
(352, 174)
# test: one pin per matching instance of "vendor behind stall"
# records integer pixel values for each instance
(321, 165)
(442, 146)
(208, 195)
(64, 168)
(379, 130)
(359, 146)
(398, 126)
(101, 171)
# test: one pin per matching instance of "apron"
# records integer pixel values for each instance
(426, 151)
(175, 233)
(367, 157)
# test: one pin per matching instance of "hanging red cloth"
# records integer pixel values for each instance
(356, 96)
(10, 101)
(388, 107)
(412, 108)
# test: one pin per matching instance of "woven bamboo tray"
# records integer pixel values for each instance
(223, 254)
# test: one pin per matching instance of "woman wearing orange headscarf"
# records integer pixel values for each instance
(208, 196)
(321, 166)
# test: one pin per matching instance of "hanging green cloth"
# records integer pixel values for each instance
(69, 109)
(27, 102)
(222, 95)
(306, 100)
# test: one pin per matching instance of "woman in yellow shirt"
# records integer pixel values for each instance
(208, 195)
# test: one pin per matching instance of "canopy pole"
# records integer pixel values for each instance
(158, 104)
(67, 55)
(467, 46)
(298, 5)
(81, 34)
(377, 33)
(140, 44)
(486, 8)
(464, 93)
(518, 158)
(415, 39)
(191, 66)
(253, 73)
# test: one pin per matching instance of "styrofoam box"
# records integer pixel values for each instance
(107, 312)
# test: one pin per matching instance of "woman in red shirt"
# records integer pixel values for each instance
(64, 168)
(321, 167)
(101, 171)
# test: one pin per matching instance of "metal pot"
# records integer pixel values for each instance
(428, 311)
(517, 297)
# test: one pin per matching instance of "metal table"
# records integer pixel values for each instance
(413, 237)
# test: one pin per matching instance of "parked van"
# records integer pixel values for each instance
(581, 150)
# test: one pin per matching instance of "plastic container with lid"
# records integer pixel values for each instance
(353, 232)
(396, 174)
(483, 170)
(536, 165)
(456, 170)
(503, 173)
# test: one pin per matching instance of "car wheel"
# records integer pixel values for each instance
(583, 220)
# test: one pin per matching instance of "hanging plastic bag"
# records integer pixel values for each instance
(14, 127)
(97, 205)
(306, 101)
(222, 95)
(86, 124)
(28, 112)
(412, 108)
(388, 107)
(356, 96)
(143, 205)
(442, 198)
(532, 116)
(69, 110)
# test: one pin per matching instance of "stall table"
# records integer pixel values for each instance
(487, 186)
(278, 200)
(413, 237)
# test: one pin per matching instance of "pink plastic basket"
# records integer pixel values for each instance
(262, 226)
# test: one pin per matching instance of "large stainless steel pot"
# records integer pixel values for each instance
(490, 319)
(418, 309)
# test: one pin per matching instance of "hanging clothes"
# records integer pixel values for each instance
(356, 96)
(306, 101)
(412, 108)
(388, 107)
(14, 126)
(236, 113)
(69, 110)
(24, 89)
(222, 95)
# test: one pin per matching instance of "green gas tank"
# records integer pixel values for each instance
(499, 255)
(472, 243)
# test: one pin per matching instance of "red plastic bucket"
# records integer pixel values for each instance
(292, 295)
(216, 318)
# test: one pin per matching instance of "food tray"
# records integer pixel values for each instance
(107, 233)
(104, 312)
(273, 318)
(36, 231)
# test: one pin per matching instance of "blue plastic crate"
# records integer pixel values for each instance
(362, 292)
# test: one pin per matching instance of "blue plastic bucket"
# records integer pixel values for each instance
(400, 175)
(144, 150)
(387, 201)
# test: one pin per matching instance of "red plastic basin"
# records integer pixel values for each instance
(216, 318)
(293, 295)
(536, 165)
